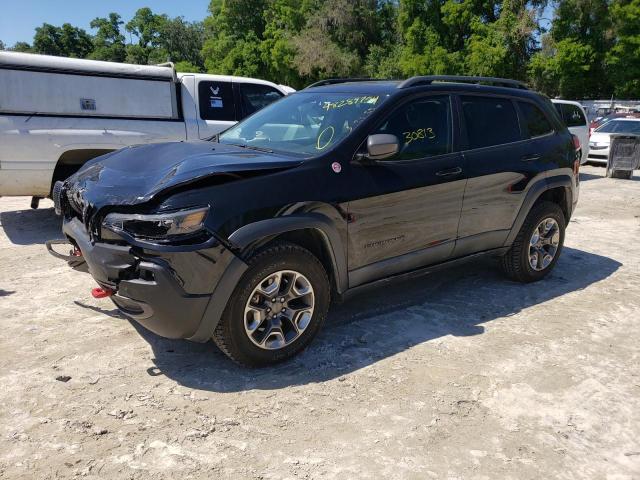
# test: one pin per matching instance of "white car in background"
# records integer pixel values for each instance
(601, 138)
(575, 119)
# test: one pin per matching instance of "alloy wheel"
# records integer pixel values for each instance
(279, 309)
(544, 243)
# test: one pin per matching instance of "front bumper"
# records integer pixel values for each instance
(598, 155)
(175, 294)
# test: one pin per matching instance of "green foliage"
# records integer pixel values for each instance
(567, 71)
(66, 41)
(572, 61)
(180, 41)
(147, 26)
(187, 67)
(623, 59)
(108, 41)
(23, 47)
(591, 50)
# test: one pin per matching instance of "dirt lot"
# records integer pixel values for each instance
(459, 375)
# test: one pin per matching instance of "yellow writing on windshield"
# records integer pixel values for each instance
(368, 99)
(325, 138)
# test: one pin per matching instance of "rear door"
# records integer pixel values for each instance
(506, 148)
(410, 215)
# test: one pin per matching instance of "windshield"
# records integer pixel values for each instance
(620, 126)
(304, 123)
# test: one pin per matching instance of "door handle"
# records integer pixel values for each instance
(532, 157)
(449, 172)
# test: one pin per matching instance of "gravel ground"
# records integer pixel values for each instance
(458, 375)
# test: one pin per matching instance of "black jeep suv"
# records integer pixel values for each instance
(246, 238)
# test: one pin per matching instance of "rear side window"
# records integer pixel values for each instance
(490, 121)
(423, 128)
(534, 120)
(572, 115)
(255, 97)
(215, 100)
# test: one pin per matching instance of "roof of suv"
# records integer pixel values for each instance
(435, 82)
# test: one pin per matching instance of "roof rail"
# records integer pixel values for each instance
(429, 79)
(333, 81)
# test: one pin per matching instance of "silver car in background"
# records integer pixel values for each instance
(601, 138)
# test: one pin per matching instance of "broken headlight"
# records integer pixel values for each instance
(157, 226)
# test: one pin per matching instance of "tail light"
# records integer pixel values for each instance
(578, 157)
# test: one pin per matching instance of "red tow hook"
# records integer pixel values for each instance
(100, 292)
(75, 252)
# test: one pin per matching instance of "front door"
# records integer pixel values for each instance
(410, 215)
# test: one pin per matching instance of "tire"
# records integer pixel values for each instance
(516, 263)
(232, 335)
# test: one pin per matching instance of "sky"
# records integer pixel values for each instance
(19, 18)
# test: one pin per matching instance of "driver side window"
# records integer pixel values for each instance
(423, 128)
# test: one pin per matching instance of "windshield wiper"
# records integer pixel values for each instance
(259, 149)
(251, 147)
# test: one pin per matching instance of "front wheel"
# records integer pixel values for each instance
(277, 308)
(538, 244)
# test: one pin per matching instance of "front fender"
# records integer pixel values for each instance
(263, 230)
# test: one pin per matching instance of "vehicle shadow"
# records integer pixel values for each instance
(383, 322)
(30, 227)
(588, 176)
(113, 313)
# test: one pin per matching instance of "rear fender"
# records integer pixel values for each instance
(532, 196)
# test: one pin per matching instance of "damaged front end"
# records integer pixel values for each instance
(163, 270)
(143, 221)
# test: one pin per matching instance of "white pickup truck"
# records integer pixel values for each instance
(57, 113)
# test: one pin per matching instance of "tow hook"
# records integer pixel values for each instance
(75, 259)
(102, 292)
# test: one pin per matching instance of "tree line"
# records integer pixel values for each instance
(588, 49)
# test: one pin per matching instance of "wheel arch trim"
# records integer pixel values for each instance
(532, 196)
(253, 234)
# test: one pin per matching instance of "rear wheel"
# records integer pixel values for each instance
(277, 308)
(538, 244)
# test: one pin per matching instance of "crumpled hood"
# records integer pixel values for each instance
(135, 175)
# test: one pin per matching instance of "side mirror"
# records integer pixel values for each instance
(381, 146)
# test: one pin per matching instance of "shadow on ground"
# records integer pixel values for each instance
(584, 177)
(382, 322)
(29, 227)
(588, 176)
